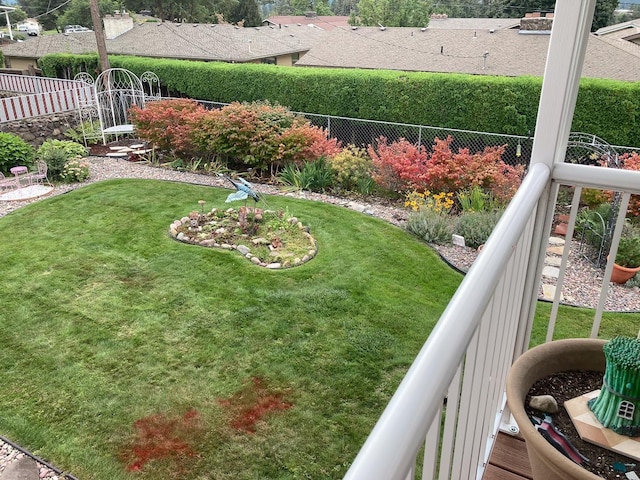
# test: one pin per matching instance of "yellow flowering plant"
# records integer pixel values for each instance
(441, 202)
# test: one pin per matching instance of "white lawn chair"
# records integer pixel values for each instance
(7, 184)
(39, 176)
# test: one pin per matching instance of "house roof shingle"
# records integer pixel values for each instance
(508, 52)
(189, 41)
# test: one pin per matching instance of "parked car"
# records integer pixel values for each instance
(29, 29)
(75, 28)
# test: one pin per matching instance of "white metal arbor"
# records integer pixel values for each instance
(151, 83)
(116, 91)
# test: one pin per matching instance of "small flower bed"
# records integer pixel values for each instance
(266, 237)
(75, 170)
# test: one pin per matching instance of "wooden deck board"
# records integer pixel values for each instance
(509, 460)
(494, 473)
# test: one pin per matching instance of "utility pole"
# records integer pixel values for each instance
(99, 31)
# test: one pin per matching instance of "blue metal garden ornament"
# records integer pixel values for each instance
(243, 190)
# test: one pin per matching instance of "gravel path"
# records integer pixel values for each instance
(582, 283)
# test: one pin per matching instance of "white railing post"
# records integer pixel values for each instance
(569, 36)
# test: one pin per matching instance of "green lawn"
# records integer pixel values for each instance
(110, 329)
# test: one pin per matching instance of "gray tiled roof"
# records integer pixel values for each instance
(184, 41)
(510, 53)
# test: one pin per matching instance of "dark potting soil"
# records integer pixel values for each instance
(565, 386)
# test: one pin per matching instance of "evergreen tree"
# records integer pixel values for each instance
(35, 8)
(395, 13)
(603, 15)
(248, 12)
(15, 16)
(78, 12)
(344, 7)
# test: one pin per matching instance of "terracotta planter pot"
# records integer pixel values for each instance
(539, 362)
(622, 274)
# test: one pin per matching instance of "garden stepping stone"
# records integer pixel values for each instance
(117, 154)
(23, 469)
(549, 293)
(553, 261)
(551, 272)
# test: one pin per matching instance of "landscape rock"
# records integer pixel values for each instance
(544, 403)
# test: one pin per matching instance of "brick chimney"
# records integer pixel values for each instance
(117, 24)
(536, 22)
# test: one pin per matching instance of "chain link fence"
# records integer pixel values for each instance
(361, 133)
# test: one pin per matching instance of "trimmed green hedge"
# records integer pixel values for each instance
(606, 108)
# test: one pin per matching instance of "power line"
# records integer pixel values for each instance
(52, 10)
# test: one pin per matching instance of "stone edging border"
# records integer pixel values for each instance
(244, 250)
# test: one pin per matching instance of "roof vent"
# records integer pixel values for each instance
(423, 29)
(354, 28)
(491, 30)
(382, 27)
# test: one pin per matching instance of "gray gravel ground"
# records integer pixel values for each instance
(582, 284)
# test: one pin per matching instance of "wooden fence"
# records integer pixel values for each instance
(41, 96)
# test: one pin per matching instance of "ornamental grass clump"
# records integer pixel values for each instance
(616, 405)
(476, 227)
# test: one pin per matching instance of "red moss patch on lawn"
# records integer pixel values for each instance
(159, 436)
(251, 404)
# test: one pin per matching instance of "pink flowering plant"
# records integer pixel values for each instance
(75, 170)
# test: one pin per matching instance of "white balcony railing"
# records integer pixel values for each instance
(488, 322)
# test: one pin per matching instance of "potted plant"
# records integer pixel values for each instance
(547, 463)
(627, 262)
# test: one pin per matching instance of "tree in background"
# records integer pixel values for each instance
(15, 16)
(248, 13)
(395, 13)
(603, 16)
(634, 13)
(34, 8)
(345, 7)
(79, 13)
(518, 8)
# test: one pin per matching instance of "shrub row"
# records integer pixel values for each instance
(606, 108)
(61, 156)
(257, 135)
(265, 137)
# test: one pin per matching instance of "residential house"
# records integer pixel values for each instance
(481, 51)
(624, 35)
(184, 41)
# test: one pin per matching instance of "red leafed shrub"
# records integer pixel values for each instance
(631, 161)
(398, 166)
(403, 166)
(304, 142)
(450, 172)
(167, 124)
(244, 132)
